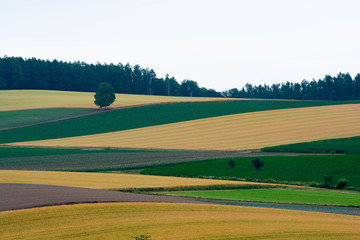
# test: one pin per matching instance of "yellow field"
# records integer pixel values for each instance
(174, 221)
(30, 99)
(233, 132)
(108, 180)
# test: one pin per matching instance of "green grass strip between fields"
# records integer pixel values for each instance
(279, 196)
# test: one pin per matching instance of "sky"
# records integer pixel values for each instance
(221, 44)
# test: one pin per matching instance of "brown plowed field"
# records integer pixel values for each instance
(19, 196)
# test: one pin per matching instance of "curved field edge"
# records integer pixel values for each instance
(19, 152)
(21, 118)
(173, 221)
(304, 170)
(244, 131)
(22, 196)
(111, 181)
(340, 145)
(145, 116)
(314, 197)
(30, 99)
(87, 160)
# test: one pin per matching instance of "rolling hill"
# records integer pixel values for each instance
(244, 131)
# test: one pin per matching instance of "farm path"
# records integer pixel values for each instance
(20, 196)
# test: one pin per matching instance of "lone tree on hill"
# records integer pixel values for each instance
(231, 164)
(104, 95)
(257, 164)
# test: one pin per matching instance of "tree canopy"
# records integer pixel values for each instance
(104, 95)
(19, 73)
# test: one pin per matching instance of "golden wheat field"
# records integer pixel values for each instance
(32, 99)
(108, 180)
(163, 221)
(232, 132)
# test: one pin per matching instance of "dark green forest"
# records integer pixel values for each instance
(19, 73)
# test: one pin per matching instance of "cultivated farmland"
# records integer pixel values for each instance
(340, 145)
(35, 116)
(33, 99)
(174, 221)
(233, 132)
(17, 158)
(110, 181)
(295, 169)
(145, 116)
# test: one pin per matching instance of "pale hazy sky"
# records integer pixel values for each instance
(221, 44)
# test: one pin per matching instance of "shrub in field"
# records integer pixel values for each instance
(142, 237)
(257, 164)
(231, 164)
(327, 181)
(342, 183)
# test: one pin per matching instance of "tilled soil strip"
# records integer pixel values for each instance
(20, 196)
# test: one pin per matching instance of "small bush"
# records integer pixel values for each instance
(314, 184)
(231, 164)
(327, 181)
(342, 183)
(142, 237)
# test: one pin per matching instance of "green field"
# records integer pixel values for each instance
(278, 195)
(34, 116)
(340, 145)
(145, 116)
(295, 169)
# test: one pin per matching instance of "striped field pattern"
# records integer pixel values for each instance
(11, 100)
(233, 132)
(110, 181)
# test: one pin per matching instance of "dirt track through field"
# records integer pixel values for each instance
(20, 196)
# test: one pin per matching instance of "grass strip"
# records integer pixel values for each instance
(278, 196)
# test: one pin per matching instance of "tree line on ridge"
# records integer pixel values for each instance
(19, 73)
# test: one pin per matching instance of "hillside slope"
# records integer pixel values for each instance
(245, 131)
(145, 116)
